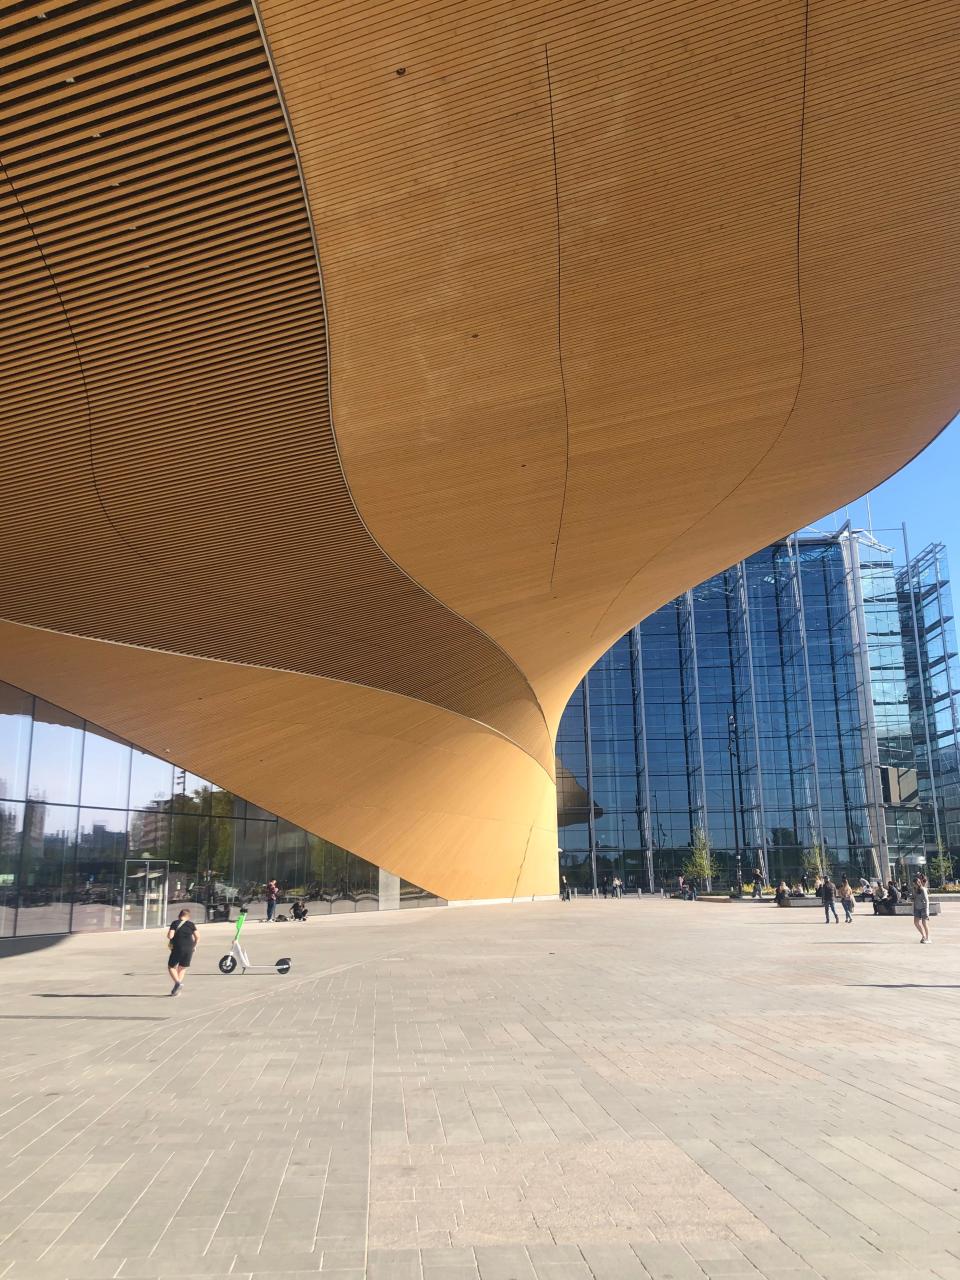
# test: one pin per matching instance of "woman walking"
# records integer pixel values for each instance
(847, 899)
(921, 907)
(182, 938)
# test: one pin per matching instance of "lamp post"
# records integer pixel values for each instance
(731, 748)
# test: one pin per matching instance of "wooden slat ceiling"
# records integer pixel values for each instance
(629, 288)
(613, 293)
(171, 475)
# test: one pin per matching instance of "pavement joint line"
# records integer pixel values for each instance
(476, 1074)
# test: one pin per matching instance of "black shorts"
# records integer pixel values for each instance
(179, 959)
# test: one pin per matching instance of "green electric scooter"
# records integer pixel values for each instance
(237, 956)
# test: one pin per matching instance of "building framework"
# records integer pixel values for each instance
(800, 709)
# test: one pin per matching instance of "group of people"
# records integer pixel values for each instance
(828, 893)
(608, 888)
(885, 900)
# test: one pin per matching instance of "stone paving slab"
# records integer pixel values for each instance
(612, 1090)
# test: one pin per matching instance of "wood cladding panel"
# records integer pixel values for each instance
(429, 795)
(169, 457)
(619, 210)
(612, 295)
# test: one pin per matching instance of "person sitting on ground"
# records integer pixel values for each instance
(299, 911)
(891, 898)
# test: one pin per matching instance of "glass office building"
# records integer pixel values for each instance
(787, 708)
(96, 834)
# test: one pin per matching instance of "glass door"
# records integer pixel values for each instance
(144, 893)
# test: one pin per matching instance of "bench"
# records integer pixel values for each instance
(861, 909)
(906, 909)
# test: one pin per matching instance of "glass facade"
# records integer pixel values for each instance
(777, 709)
(96, 834)
(933, 685)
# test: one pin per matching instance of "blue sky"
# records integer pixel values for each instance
(926, 494)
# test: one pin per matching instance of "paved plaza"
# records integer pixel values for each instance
(606, 1089)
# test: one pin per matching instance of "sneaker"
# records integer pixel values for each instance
(176, 988)
(922, 940)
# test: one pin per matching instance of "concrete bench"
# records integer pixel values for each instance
(862, 908)
(906, 909)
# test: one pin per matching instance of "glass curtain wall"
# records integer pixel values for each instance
(79, 807)
(933, 689)
(838, 696)
(890, 649)
(769, 708)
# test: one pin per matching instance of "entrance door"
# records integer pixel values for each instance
(144, 893)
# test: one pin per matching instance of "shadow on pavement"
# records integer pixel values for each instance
(922, 986)
(99, 995)
(37, 942)
(78, 1017)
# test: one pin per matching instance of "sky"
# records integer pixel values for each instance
(925, 494)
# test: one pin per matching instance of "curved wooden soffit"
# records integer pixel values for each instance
(615, 294)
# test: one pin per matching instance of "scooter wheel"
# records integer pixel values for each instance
(227, 964)
(283, 965)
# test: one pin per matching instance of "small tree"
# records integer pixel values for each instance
(817, 859)
(813, 859)
(700, 865)
(941, 864)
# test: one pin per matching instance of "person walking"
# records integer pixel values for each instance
(564, 889)
(805, 883)
(272, 893)
(828, 895)
(847, 899)
(921, 907)
(182, 938)
(757, 883)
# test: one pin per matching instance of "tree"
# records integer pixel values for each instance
(941, 864)
(816, 860)
(700, 865)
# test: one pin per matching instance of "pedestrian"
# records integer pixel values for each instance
(828, 895)
(847, 899)
(757, 883)
(564, 889)
(182, 939)
(921, 907)
(804, 883)
(272, 892)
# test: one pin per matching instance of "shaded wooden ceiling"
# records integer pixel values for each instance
(405, 354)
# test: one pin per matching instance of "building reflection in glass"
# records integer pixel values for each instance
(96, 834)
(786, 707)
